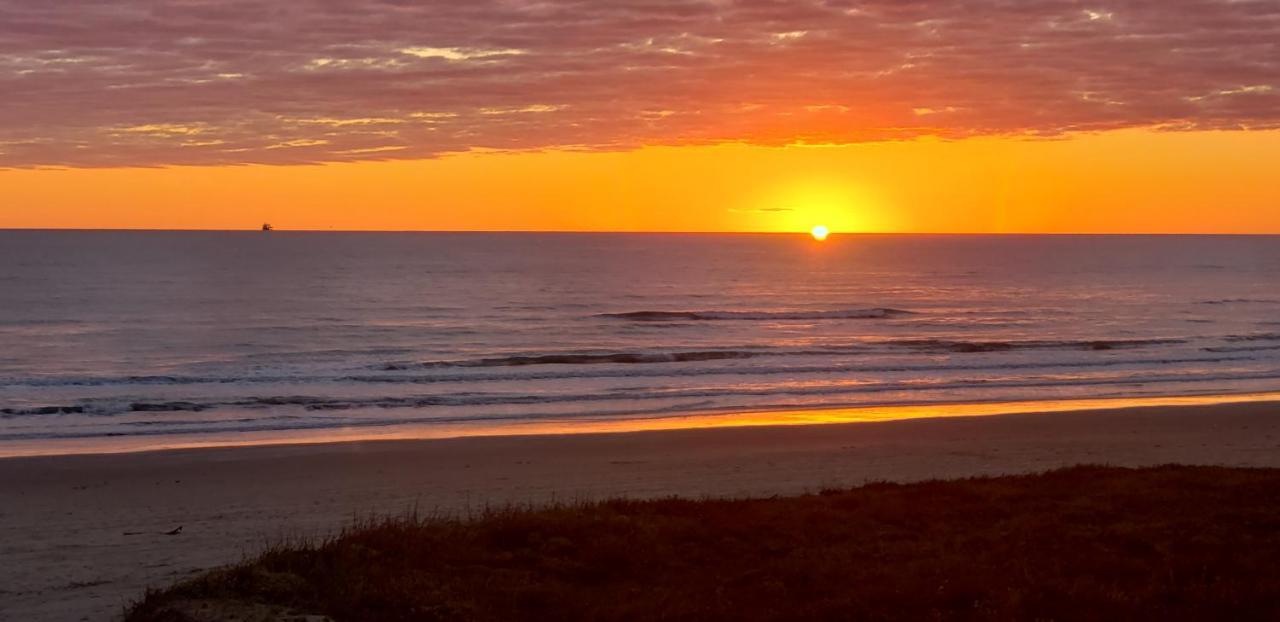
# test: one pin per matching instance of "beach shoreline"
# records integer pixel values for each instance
(85, 534)
(515, 427)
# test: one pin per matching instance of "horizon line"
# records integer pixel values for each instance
(642, 232)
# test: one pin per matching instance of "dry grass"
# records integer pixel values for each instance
(1086, 543)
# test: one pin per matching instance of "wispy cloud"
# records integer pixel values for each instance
(156, 82)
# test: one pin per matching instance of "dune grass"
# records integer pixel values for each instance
(1085, 543)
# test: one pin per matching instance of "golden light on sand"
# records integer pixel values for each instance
(820, 232)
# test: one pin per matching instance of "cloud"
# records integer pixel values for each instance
(163, 82)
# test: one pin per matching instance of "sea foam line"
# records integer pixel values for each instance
(115, 406)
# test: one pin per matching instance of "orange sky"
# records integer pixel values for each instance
(1120, 181)
(635, 115)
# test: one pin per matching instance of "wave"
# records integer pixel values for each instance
(866, 365)
(482, 399)
(43, 410)
(1229, 349)
(1254, 337)
(313, 421)
(581, 359)
(706, 316)
(966, 347)
(929, 345)
(1240, 301)
(795, 370)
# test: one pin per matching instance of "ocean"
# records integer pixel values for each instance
(164, 338)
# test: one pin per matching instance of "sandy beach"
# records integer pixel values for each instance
(83, 535)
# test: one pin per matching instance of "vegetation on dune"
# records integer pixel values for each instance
(1085, 543)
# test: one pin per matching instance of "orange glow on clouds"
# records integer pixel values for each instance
(200, 82)
(681, 115)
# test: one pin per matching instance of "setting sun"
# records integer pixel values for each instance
(820, 233)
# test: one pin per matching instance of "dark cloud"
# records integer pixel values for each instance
(157, 82)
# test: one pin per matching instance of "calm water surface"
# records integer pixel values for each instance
(109, 334)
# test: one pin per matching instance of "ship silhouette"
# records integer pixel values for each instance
(266, 226)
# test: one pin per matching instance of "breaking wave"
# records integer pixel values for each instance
(500, 399)
(708, 316)
(1255, 337)
(1240, 301)
(581, 359)
(963, 347)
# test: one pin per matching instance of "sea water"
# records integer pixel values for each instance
(111, 335)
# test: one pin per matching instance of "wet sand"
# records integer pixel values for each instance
(80, 536)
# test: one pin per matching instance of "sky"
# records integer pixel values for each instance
(642, 115)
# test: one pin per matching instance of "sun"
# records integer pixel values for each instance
(820, 232)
